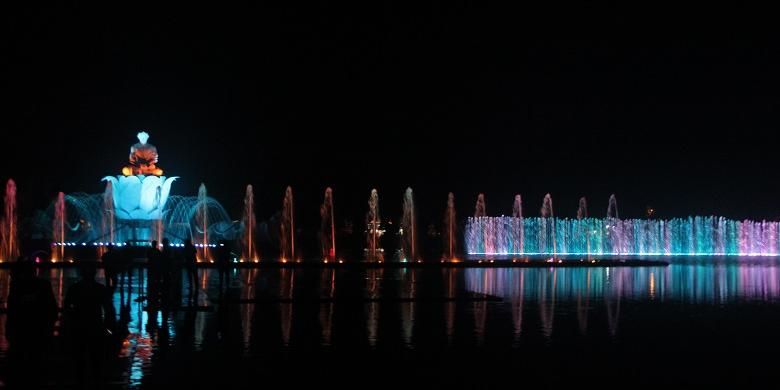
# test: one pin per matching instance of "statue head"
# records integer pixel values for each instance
(143, 137)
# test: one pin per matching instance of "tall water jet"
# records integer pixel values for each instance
(614, 233)
(9, 248)
(372, 224)
(287, 237)
(449, 226)
(202, 220)
(582, 210)
(249, 244)
(408, 224)
(328, 227)
(517, 207)
(612, 209)
(518, 227)
(479, 210)
(582, 213)
(58, 228)
(548, 219)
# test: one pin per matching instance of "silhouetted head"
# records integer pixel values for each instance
(188, 242)
(166, 243)
(88, 270)
(154, 244)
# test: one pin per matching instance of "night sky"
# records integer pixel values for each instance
(443, 97)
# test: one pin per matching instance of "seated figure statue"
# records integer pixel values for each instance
(143, 158)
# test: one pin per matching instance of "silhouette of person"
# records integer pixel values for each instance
(32, 312)
(111, 262)
(88, 320)
(191, 264)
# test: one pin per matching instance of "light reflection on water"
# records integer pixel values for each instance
(260, 311)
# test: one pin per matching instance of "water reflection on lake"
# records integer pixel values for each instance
(292, 314)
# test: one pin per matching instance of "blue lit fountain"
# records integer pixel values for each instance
(137, 207)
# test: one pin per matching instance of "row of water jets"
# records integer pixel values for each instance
(612, 236)
(204, 221)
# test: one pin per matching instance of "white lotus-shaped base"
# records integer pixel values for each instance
(140, 197)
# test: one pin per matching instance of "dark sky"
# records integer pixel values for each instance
(662, 107)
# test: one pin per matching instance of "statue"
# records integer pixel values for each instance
(143, 158)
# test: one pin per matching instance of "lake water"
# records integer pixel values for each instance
(694, 321)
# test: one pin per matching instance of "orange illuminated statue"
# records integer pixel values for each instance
(143, 158)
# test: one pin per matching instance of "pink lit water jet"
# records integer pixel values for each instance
(58, 228)
(449, 225)
(328, 226)
(287, 237)
(249, 252)
(202, 220)
(9, 247)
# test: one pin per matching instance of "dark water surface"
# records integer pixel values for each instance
(695, 321)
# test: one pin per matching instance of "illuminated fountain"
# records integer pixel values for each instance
(287, 234)
(328, 227)
(373, 252)
(449, 228)
(135, 207)
(139, 195)
(9, 240)
(611, 236)
(249, 242)
(409, 228)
